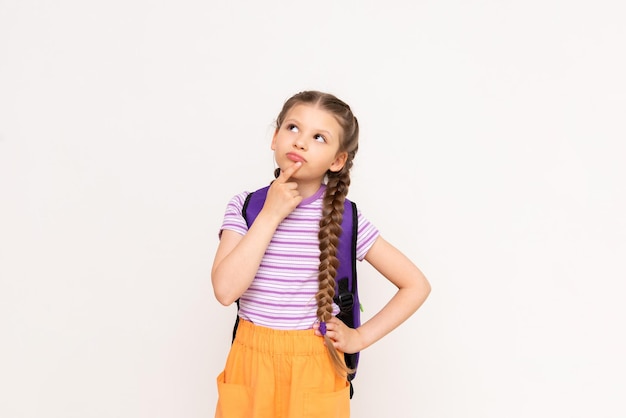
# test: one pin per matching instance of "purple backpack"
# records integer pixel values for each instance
(346, 291)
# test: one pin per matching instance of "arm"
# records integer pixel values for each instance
(237, 260)
(238, 256)
(413, 289)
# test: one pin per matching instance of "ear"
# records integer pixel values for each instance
(274, 140)
(339, 162)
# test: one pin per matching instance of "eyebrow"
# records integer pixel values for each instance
(297, 122)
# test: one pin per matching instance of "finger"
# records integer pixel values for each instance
(333, 324)
(334, 320)
(285, 174)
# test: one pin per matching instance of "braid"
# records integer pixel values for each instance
(330, 231)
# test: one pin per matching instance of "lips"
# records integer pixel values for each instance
(295, 157)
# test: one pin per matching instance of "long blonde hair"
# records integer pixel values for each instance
(337, 187)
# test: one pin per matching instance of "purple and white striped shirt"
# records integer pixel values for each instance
(282, 294)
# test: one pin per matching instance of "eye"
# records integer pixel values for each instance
(319, 138)
(291, 127)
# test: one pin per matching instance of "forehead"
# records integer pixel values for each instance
(314, 117)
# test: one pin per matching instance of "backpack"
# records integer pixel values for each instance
(346, 290)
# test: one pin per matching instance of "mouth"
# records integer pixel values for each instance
(295, 157)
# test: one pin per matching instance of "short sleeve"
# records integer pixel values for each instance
(366, 236)
(233, 218)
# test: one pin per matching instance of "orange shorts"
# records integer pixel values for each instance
(280, 374)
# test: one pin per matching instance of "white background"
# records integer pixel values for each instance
(492, 153)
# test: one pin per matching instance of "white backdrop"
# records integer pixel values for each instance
(492, 153)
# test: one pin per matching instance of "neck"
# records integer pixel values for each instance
(308, 189)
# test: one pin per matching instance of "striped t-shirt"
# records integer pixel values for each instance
(282, 294)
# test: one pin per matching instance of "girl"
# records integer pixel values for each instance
(286, 358)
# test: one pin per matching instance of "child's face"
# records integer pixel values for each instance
(310, 135)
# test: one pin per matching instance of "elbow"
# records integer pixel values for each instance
(424, 291)
(421, 291)
(224, 301)
(225, 294)
(427, 288)
(224, 297)
(225, 288)
(221, 289)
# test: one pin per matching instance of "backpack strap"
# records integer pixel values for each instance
(347, 292)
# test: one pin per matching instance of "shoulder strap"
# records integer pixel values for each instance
(253, 204)
(347, 293)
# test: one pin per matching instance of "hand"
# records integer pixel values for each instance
(283, 196)
(344, 338)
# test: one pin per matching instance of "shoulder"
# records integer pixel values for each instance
(238, 200)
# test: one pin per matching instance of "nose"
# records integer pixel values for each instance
(299, 143)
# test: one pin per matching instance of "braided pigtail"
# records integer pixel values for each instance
(330, 231)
